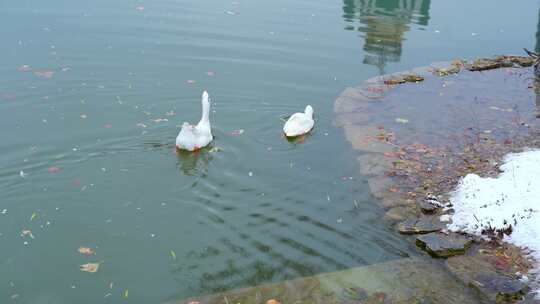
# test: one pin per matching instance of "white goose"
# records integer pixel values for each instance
(299, 123)
(192, 137)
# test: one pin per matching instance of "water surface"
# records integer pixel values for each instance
(92, 126)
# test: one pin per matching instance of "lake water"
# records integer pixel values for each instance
(91, 98)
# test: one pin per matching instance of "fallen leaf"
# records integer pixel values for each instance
(90, 267)
(402, 120)
(237, 132)
(46, 74)
(86, 250)
(173, 255)
(393, 189)
(272, 301)
(53, 169)
(27, 232)
(126, 293)
(33, 216)
(24, 68)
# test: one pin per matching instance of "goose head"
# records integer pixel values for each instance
(309, 111)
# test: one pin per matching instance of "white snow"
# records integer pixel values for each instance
(513, 198)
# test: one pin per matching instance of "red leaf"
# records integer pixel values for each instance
(53, 169)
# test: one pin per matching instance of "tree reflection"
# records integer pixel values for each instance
(383, 24)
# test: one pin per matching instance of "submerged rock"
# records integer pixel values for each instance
(442, 246)
(420, 226)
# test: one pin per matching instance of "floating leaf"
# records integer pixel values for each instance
(173, 255)
(27, 232)
(237, 132)
(90, 267)
(53, 169)
(34, 215)
(126, 293)
(46, 74)
(402, 120)
(24, 68)
(86, 250)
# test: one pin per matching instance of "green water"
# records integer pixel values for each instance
(261, 209)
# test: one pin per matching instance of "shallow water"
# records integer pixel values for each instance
(93, 133)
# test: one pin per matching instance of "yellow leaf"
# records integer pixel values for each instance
(86, 250)
(90, 267)
(126, 293)
(33, 216)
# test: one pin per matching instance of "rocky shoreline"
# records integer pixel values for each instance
(418, 132)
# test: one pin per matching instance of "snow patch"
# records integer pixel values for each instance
(513, 199)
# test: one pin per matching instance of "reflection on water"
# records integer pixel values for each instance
(190, 163)
(383, 24)
(537, 45)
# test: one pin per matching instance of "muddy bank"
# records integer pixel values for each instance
(420, 131)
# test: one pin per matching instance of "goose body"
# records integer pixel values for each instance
(194, 137)
(299, 123)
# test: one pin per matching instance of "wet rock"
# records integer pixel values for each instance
(413, 78)
(442, 246)
(523, 61)
(427, 206)
(399, 213)
(482, 64)
(490, 282)
(420, 226)
(453, 68)
(506, 289)
(399, 79)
